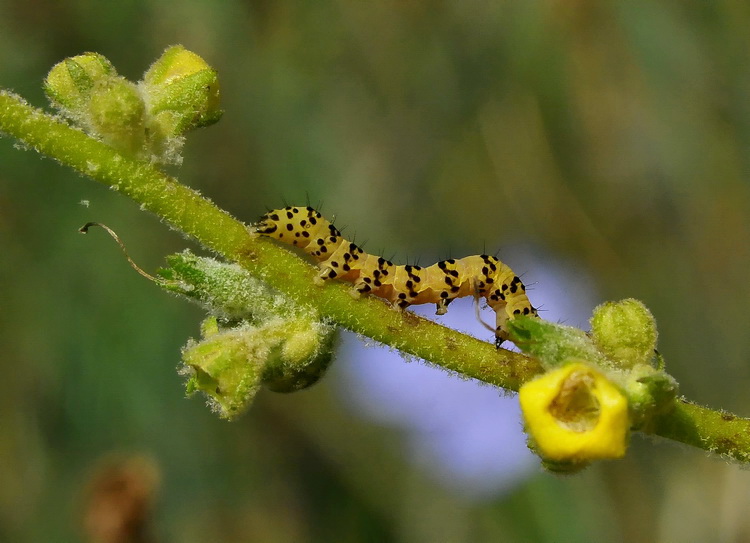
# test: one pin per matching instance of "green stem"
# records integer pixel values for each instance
(715, 431)
(187, 211)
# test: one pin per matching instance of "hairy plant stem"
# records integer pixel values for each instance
(187, 211)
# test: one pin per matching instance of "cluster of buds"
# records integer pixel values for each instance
(230, 365)
(255, 337)
(145, 120)
(597, 388)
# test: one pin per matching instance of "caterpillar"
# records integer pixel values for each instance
(478, 275)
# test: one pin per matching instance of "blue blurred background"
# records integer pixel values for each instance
(600, 147)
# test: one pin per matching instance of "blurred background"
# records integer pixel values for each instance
(600, 147)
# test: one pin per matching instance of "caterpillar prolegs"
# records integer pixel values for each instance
(478, 275)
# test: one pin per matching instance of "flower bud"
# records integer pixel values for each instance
(223, 368)
(231, 365)
(69, 83)
(116, 114)
(625, 332)
(182, 92)
(303, 359)
(574, 415)
(650, 392)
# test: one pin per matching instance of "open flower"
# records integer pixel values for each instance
(575, 414)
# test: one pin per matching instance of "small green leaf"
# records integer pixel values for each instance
(553, 344)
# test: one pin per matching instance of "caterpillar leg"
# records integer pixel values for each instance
(324, 275)
(361, 287)
(501, 330)
(442, 306)
(400, 305)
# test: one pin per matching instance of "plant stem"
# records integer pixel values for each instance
(716, 431)
(187, 211)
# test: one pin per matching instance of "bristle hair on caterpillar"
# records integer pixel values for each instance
(481, 276)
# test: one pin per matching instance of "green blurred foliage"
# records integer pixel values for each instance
(614, 134)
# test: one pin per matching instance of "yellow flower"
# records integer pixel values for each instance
(575, 414)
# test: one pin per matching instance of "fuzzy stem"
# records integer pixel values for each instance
(187, 211)
(716, 431)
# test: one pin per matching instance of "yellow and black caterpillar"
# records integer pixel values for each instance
(478, 275)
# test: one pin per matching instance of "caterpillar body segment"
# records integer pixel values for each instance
(481, 276)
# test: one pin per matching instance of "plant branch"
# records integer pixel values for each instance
(187, 211)
(713, 430)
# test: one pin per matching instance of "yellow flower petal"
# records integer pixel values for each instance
(574, 413)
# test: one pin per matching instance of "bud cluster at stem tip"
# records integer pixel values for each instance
(146, 120)
(255, 337)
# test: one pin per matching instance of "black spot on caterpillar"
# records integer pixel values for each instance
(481, 276)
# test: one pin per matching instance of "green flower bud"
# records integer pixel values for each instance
(553, 344)
(303, 359)
(625, 332)
(226, 369)
(69, 83)
(650, 392)
(116, 114)
(230, 366)
(182, 93)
